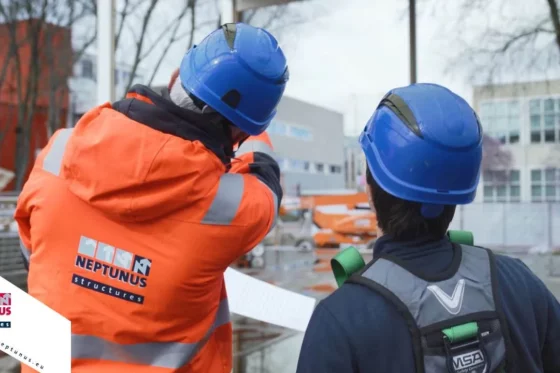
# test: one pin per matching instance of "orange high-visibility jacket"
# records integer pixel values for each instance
(128, 222)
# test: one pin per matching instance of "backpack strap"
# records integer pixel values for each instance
(403, 310)
(500, 311)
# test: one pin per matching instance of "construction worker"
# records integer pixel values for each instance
(425, 304)
(130, 219)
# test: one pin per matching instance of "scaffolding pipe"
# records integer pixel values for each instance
(105, 51)
(227, 11)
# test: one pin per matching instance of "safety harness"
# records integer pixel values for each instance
(455, 319)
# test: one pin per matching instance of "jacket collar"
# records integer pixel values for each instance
(156, 111)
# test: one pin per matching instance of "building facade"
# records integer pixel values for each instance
(83, 83)
(524, 119)
(309, 145)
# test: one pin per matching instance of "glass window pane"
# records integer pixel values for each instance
(535, 106)
(487, 176)
(501, 123)
(486, 109)
(513, 108)
(513, 123)
(515, 191)
(550, 175)
(536, 136)
(535, 121)
(500, 176)
(514, 137)
(549, 136)
(488, 194)
(536, 191)
(536, 175)
(501, 109)
(501, 191)
(550, 190)
(514, 176)
(548, 105)
(501, 136)
(549, 120)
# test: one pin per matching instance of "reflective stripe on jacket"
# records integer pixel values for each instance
(128, 222)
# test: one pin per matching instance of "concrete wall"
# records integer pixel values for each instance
(325, 146)
(513, 226)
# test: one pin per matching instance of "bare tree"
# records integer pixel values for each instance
(494, 40)
(494, 155)
(35, 30)
(152, 40)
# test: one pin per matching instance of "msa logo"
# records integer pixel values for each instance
(471, 362)
(451, 303)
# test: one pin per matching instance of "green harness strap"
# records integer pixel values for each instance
(350, 261)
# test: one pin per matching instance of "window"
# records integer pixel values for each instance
(545, 120)
(501, 120)
(335, 169)
(87, 69)
(501, 186)
(296, 165)
(277, 128)
(281, 163)
(300, 133)
(320, 167)
(545, 185)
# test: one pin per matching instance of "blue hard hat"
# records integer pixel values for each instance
(239, 71)
(424, 144)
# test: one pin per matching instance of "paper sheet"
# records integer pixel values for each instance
(262, 301)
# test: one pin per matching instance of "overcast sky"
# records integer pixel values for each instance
(350, 52)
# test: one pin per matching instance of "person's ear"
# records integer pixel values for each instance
(173, 78)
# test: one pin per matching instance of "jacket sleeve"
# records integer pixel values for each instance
(548, 316)
(23, 218)
(255, 160)
(551, 357)
(326, 347)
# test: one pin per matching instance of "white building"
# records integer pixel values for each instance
(525, 118)
(83, 85)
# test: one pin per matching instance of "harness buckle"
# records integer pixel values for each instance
(466, 355)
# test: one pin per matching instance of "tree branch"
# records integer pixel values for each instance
(555, 20)
(123, 14)
(140, 42)
(191, 4)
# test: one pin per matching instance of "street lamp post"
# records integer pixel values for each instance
(412, 29)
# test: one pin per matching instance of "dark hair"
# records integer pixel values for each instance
(402, 219)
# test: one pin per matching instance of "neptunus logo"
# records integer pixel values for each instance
(117, 264)
(113, 263)
(5, 309)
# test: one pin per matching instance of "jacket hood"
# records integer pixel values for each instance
(138, 171)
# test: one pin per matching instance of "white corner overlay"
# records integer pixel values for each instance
(38, 336)
(259, 300)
